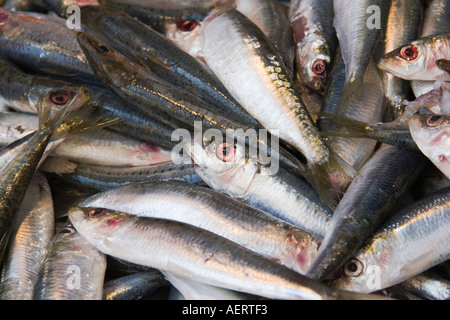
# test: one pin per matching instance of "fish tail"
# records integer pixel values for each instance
(344, 127)
(331, 178)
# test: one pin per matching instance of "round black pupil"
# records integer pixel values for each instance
(66, 231)
(104, 49)
(352, 267)
(226, 151)
(434, 118)
(319, 67)
(59, 98)
(97, 212)
(188, 25)
(409, 52)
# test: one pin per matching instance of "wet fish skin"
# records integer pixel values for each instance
(417, 60)
(34, 227)
(399, 250)
(154, 50)
(403, 25)
(43, 46)
(257, 78)
(315, 41)
(197, 254)
(429, 131)
(104, 147)
(73, 269)
(428, 285)
(281, 194)
(133, 286)
(368, 202)
(203, 207)
(15, 125)
(15, 177)
(100, 178)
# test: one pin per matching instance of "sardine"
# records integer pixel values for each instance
(34, 227)
(400, 249)
(203, 208)
(315, 40)
(417, 60)
(368, 202)
(256, 76)
(73, 269)
(197, 254)
(430, 132)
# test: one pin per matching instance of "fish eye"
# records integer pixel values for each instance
(409, 53)
(319, 67)
(353, 268)
(188, 25)
(96, 213)
(433, 121)
(60, 97)
(66, 232)
(225, 152)
(104, 48)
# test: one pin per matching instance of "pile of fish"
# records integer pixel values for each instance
(232, 149)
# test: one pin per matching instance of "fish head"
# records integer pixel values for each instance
(223, 165)
(431, 132)
(187, 35)
(407, 62)
(97, 222)
(313, 63)
(104, 60)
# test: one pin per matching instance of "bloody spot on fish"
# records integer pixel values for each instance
(442, 158)
(299, 27)
(19, 129)
(150, 148)
(3, 16)
(113, 222)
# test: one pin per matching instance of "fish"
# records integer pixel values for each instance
(367, 203)
(403, 25)
(315, 41)
(195, 290)
(357, 40)
(243, 176)
(202, 207)
(33, 231)
(167, 103)
(100, 178)
(427, 285)
(430, 132)
(107, 148)
(15, 177)
(197, 254)
(151, 49)
(73, 269)
(43, 46)
(400, 249)
(417, 60)
(16, 125)
(233, 43)
(134, 286)
(436, 20)
(63, 7)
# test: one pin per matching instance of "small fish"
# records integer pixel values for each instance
(199, 255)
(73, 269)
(202, 207)
(400, 249)
(431, 134)
(34, 228)
(428, 285)
(367, 203)
(417, 59)
(315, 40)
(134, 286)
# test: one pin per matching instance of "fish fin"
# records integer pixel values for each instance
(353, 91)
(331, 178)
(344, 126)
(50, 117)
(444, 65)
